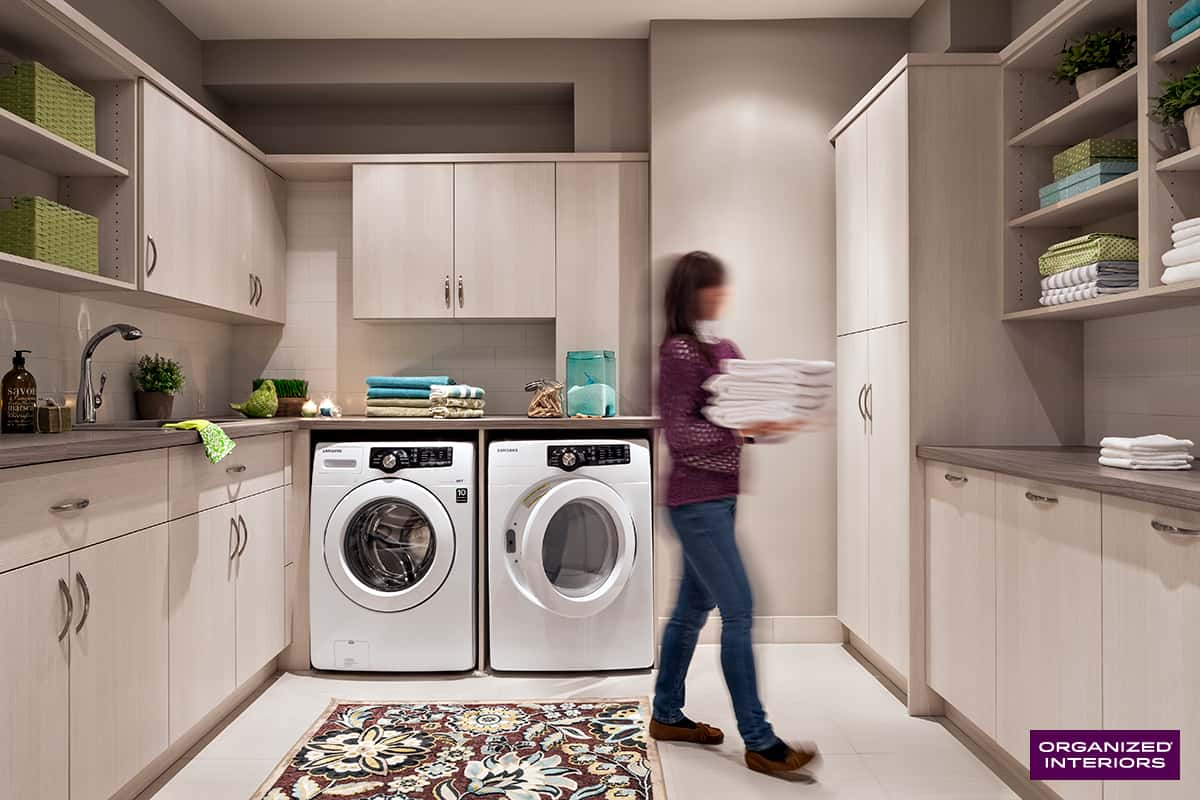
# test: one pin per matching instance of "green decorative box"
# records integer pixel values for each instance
(1093, 151)
(37, 228)
(47, 99)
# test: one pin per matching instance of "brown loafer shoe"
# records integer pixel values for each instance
(794, 760)
(701, 734)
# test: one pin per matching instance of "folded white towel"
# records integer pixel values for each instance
(755, 414)
(1126, 463)
(1182, 273)
(1186, 225)
(779, 370)
(1154, 443)
(1181, 255)
(1167, 457)
(783, 406)
(734, 388)
(1182, 238)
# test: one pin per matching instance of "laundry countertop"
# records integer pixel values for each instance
(1076, 467)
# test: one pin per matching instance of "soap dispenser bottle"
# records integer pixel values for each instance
(18, 398)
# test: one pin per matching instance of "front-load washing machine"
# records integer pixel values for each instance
(392, 556)
(570, 571)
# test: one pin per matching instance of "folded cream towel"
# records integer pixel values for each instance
(1181, 255)
(1182, 238)
(1182, 273)
(1192, 224)
(1169, 457)
(398, 411)
(1128, 463)
(444, 412)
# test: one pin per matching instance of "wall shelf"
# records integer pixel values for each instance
(1109, 107)
(23, 141)
(1040, 45)
(1187, 161)
(1154, 298)
(1186, 49)
(41, 275)
(1103, 202)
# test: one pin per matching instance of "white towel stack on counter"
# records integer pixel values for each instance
(781, 390)
(1182, 261)
(1146, 452)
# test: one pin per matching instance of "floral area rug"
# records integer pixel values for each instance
(556, 750)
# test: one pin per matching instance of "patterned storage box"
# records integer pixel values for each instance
(1093, 151)
(1085, 179)
(37, 228)
(1087, 249)
(45, 98)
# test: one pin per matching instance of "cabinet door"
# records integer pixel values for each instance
(34, 670)
(260, 591)
(269, 242)
(119, 664)
(961, 589)
(853, 476)
(201, 615)
(887, 205)
(403, 241)
(853, 237)
(233, 172)
(504, 262)
(1152, 634)
(1048, 598)
(891, 464)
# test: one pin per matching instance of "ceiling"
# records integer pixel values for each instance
(490, 19)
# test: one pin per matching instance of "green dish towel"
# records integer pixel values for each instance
(217, 443)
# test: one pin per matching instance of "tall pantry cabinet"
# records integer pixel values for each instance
(922, 354)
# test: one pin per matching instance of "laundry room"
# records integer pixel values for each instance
(598, 400)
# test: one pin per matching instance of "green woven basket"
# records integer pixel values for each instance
(47, 99)
(37, 228)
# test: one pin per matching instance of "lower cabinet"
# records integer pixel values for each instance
(1152, 634)
(260, 590)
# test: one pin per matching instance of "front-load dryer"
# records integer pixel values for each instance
(570, 571)
(392, 556)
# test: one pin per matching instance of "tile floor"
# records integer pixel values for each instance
(870, 747)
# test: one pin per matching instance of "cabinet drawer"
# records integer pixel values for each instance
(254, 466)
(55, 508)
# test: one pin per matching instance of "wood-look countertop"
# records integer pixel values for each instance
(22, 450)
(1076, 467)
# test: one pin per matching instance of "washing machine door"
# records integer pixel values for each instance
(577, 546)
(389, 545)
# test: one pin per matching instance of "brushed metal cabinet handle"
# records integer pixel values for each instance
(957, 479)
(66, 593)
(87, 601)
(235, 538)
(153, 256)
(236, 468)
(71, 505)
(1174, 530)
(447, 287)
(253, 288)
(461, 293)
(1040, 498)
(862, 412)
(869, 402)
(245, 535)
(258, 300)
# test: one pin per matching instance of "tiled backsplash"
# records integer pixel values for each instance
(56, 327)
(324, 344)
(1142, 375)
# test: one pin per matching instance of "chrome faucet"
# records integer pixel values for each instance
(88, 400)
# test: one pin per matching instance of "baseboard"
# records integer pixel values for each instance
(774, 630)
(878, 664)
(997, 759)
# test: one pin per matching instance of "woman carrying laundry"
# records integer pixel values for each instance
(702, 496)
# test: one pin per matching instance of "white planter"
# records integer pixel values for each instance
(1088, 82)
(1191, 121)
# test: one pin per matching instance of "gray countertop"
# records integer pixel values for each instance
(20, 450)
(1076, 467)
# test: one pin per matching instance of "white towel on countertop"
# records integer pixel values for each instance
(731, 387)
(1128, 463)
(1157, 458)
(1091, 272)
(1192, 224)
(1147, 445)
(1182, 273)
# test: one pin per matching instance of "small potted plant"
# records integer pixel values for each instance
(157, 380)
(292, 393)
(1094, 59)
(1180, 102)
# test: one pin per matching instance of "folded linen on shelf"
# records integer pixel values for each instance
(1116, 270)
(1177, 457)
(1182, 273)
(1184, 14)
(779, 370)
(1129, 463)
(446, 412)
(455, 402)
(1184, 237)
(1191, 224)
(400, 402)
(397, 411)
(1086, 287)
(1179, 256)
(406, 381)
(384, 392)
(459, 390)
(1186, 30)
(1087, 249)
(1074, 295)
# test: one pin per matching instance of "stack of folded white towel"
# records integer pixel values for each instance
(781, 390)
(1146, 452)
(1182, 261)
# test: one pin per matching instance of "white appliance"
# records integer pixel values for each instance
(570, 555)
(392, 556)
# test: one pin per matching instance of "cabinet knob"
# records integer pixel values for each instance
(1174, 530)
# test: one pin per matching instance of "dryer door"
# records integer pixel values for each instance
(389, 545)
(577, 545)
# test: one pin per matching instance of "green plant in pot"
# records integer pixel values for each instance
(292, 393)
(1179, 102)
(157, 381)
(1094, 59)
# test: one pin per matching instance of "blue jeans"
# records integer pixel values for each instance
(713, 576)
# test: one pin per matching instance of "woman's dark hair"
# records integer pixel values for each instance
(692, 272)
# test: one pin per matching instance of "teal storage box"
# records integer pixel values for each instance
(1085, 179)
(591, 383)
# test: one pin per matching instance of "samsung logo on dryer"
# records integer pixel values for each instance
(507, 450)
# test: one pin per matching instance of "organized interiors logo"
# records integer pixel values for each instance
(1104, 755)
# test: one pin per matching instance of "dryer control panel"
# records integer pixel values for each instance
(573, 456)
(390, 459)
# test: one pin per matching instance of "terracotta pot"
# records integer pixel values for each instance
(1088, 82)
(1191, 121)
(153, 405)
(290, 406)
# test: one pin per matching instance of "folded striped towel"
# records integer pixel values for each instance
(398, 411)
(413, 394)
(1091, 272)
(460, 390)
(444, 412)
(406, 381)
(456, 402)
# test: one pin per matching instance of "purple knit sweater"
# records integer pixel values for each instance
(705, 459)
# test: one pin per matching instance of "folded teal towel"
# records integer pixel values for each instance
(1186, 30)
(406, 382)
(1184, 14)
(388, 392)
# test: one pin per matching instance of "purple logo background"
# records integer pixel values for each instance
(1121, 755)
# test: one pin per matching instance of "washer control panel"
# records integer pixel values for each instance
(390, 459)
(573, 456)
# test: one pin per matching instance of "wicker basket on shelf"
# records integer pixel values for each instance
(37, 228)
(48, 100)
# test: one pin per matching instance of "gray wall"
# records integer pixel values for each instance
(1027, 12)
(739, 115)
(960, 26)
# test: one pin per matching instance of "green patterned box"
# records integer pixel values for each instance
(45, 98)
(1093, 151)
(37, 228)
